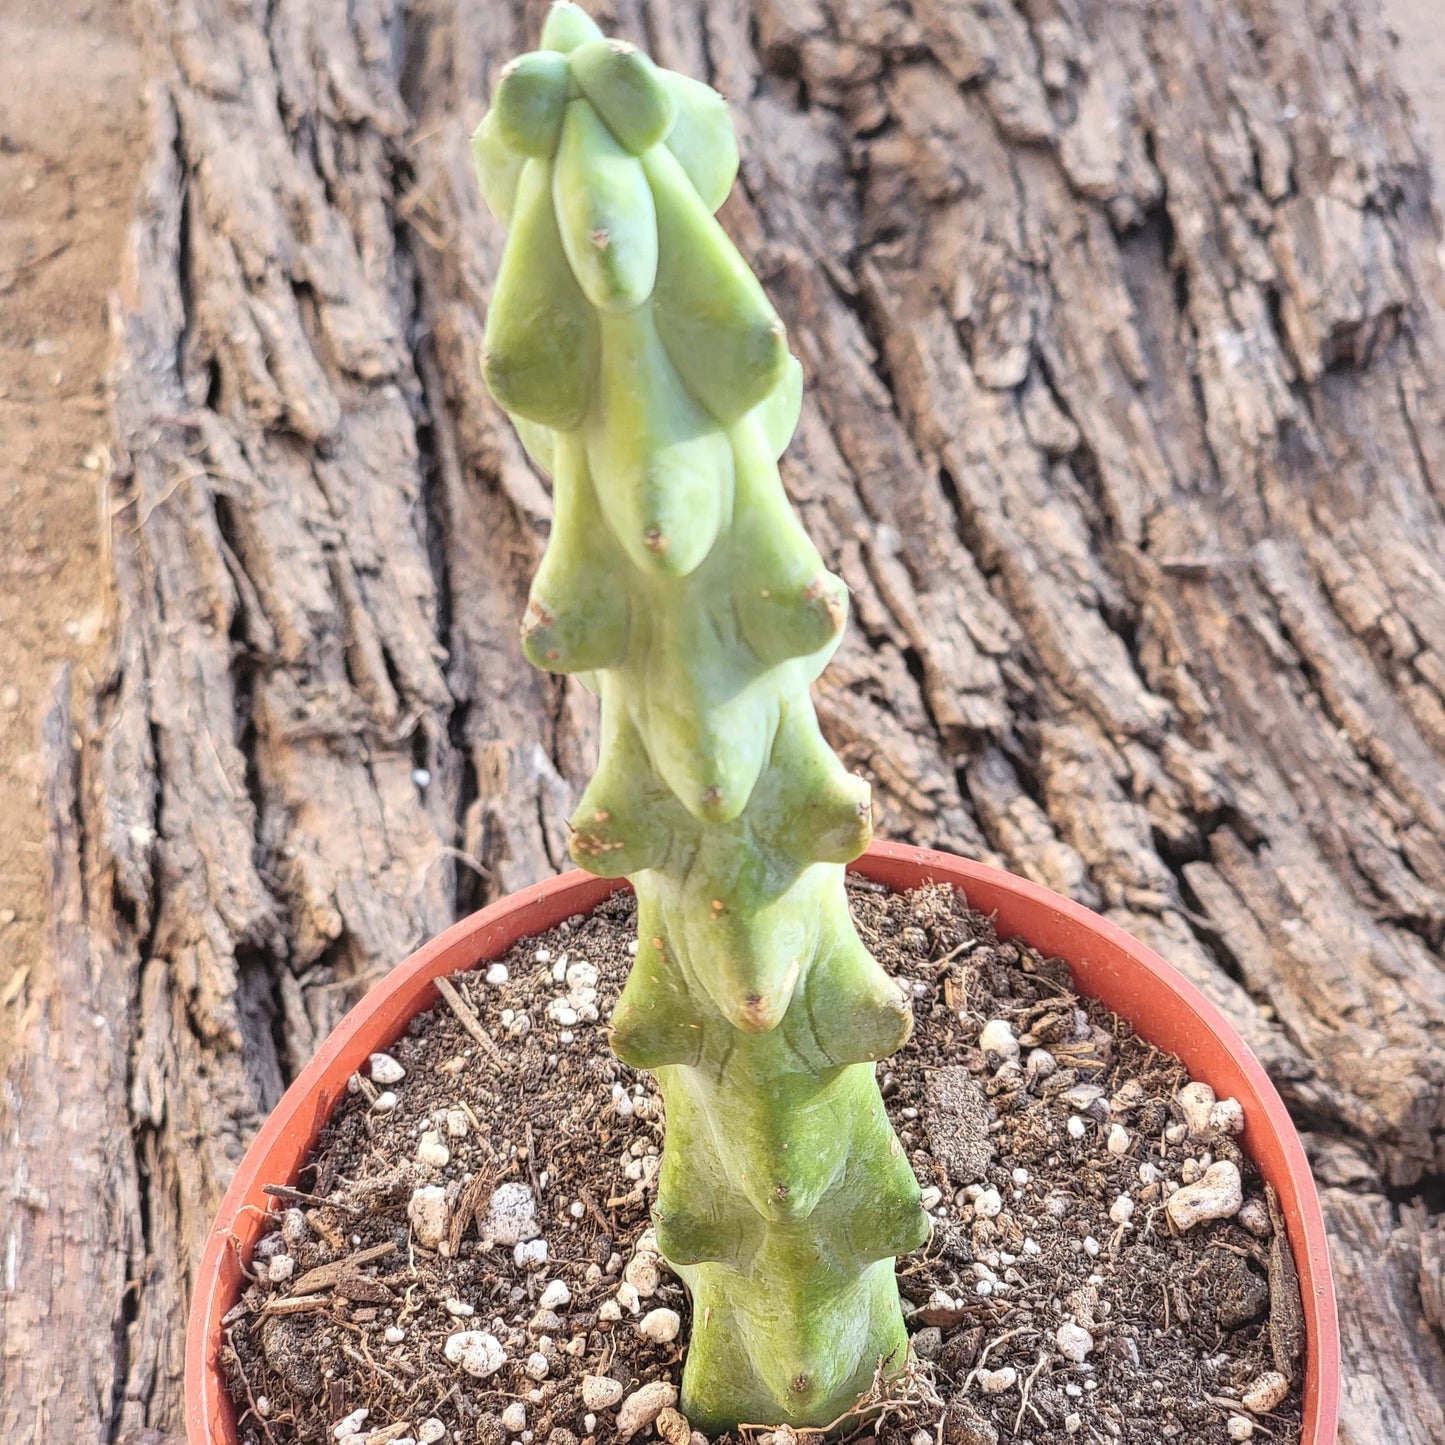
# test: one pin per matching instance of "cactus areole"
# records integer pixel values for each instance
(646, 371)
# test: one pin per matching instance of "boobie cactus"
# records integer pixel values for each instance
(647, 373)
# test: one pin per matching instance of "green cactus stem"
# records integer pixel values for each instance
(648, 374)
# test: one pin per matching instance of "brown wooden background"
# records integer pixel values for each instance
(1123, 321)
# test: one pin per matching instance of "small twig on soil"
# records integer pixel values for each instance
(298, 1305)
(467, 1017)
(300, 1196)
(590, 1205)
(324, 1276)
(532, 1162)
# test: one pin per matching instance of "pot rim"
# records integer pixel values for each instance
(1106, 963)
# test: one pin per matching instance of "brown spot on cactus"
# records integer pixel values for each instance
(653, 380)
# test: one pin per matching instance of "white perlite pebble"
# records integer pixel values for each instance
(1195, 1101)
(988, 1204)
(511, 1214)
(1073, 1423)
(589, 1423)
(1040, 1064)
(628, 1297)
(536, 1365)
(995, 1382)
(431, 1152)
(458, 1125)
(556, 1295)
(429, 1216)
(1148, 1172)
(478, 1353)
(394, 1334)
(1266, 1392)
(610, 1310)
(430, 1431)
(530, 1254)
(642, 1274)
(351, 1425)
(661, 1326)
(458, 1309)
(280, 1268)
(1075, 1127)
(497, 973)
(643, 1406)
(997, 1037)
(1121, 1211)
(1239, 1427)
(514, 1418)
(600, 1392)
(1227, 1117)
(1118, 1141)
(1254, 1216)
(384, 1103)
(1074, 1342)
(931, 1197)
(384, 1069)
(1217, 1196)
(581, 974)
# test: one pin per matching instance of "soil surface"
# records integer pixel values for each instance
(1058, 1298)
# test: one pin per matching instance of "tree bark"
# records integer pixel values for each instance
(1120, 323)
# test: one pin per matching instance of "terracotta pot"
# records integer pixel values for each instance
(1106, 963)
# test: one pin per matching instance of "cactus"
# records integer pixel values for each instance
(646, 371)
